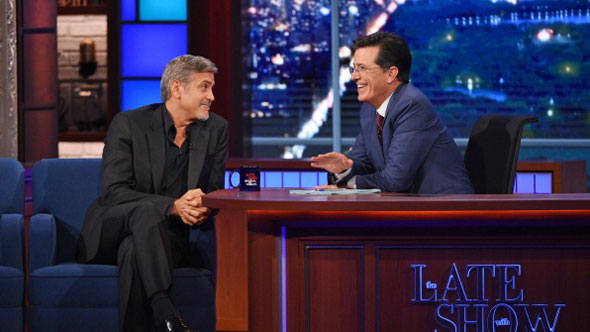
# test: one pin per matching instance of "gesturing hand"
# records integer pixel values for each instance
(190, 208)
(332, 162)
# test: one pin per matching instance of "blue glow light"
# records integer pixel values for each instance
(309, 179)
(137, 93)
(147, 48)
(525, 183)
(291, 180)
(158, 10)
(226, 184)
(262, 179)
(274, 180)
(128, 10)
(322, 178)
(543, 183)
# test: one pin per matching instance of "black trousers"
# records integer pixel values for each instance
(146, 246)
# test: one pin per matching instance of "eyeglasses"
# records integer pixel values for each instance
(360, 69)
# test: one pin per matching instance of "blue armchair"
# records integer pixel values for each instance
(11, 244)
(66, 296)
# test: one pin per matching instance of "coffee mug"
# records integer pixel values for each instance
(249, 178)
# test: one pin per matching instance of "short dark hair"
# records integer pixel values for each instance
(393, 51)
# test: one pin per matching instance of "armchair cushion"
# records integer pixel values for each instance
(11, 240)
(42, 241)
(62, 285)
(11, 260)
(12, 186)
(64, 188)
(11, 287)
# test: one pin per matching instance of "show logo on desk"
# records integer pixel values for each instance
(460, 308)
(251, 179)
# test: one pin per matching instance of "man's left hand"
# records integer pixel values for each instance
(190, 208)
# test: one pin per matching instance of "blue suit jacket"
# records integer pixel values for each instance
(418, 154)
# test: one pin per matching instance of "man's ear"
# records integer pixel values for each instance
(175, 88)
(392, 74)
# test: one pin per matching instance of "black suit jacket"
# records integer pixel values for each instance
(133, 166)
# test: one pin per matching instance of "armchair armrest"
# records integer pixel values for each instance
(12, 235)
(42, 241)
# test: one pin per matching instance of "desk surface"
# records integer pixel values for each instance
(280, 199)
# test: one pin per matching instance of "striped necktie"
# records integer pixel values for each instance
(379, 121)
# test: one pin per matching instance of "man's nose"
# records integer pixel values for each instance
(210, 96)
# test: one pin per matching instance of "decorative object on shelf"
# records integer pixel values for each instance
(79, 3)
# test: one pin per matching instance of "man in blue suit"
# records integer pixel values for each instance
(403, 145)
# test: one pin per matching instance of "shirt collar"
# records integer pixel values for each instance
(382, 110)
(168, 123)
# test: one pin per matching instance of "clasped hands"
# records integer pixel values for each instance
(332, 162)
(190, 208)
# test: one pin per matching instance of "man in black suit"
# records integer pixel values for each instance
(158, 161)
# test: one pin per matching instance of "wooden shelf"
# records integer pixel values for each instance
(88, 10)
(88, 136)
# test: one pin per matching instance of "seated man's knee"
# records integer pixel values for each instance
(146, 214)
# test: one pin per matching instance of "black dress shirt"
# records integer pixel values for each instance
(176, 163)
(174, 182)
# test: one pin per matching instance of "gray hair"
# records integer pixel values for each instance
(181, 68)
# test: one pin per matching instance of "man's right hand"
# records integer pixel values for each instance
(332, 162)
(190, 208)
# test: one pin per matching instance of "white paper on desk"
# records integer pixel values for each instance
(338, 191)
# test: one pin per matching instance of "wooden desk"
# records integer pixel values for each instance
(350, 263)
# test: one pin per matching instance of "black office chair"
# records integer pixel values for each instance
(492, 152)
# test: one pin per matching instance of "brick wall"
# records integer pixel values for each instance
(80, 149)
(81, 112)
(71, 30)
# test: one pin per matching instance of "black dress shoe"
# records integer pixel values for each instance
(174, 324)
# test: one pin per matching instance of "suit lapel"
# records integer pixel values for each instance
(198, 151)
(156, 147)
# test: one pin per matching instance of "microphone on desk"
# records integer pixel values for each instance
(87, 62)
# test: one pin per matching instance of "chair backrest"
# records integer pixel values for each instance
(492, 152)
(12, 184)
(65, 188)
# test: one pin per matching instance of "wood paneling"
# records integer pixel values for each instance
(263, 299)
(40, 135)
(334, 291)
(232, 301)
(568, 176)
(39, 14)
(39, 71)
(37, 80)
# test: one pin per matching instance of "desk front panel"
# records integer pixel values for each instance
(435, 279)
